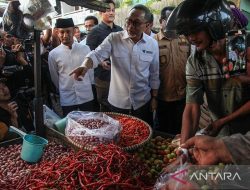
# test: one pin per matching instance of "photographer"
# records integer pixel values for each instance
(13, 54)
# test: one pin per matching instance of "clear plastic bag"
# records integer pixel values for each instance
(175, 178)
(49, 117)
(175, 175)
(204, 131)
(36, 8)
(35, 12)
(92, 128)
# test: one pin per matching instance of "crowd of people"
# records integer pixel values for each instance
(134, 70)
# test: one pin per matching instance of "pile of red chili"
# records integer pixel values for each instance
(133, 131)
(105, 167)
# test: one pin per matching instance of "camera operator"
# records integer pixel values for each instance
(13, 54)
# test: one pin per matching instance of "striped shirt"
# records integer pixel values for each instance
(224, 96)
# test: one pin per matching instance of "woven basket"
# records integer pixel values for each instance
(129, 148)
(134, 147)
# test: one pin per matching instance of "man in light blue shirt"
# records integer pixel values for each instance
(135, 67)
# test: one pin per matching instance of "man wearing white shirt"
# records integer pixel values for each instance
(74, 94)
(135, 67)
(149, 25)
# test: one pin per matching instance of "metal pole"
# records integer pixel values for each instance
(38, 100)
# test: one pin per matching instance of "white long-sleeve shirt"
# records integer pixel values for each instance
(134, 68)
(62, 61)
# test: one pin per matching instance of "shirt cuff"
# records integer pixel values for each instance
(94, 59)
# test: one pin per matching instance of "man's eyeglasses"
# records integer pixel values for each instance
(110, 10)
(135, 23)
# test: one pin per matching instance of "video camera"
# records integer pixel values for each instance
(28, 45)
(26, 93)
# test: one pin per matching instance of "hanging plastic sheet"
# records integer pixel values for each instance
(13, 20)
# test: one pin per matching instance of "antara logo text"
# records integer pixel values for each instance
(216, 176)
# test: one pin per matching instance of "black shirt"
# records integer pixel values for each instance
(5, 116)
(17, 79)
(95, 38)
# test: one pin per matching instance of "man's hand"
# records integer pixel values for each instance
(2, 57)
(20, 58)
(106, 65)
(17, 48)
(214, 128)
(79, 72)
(207, 150)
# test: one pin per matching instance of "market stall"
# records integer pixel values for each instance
(134, 161)
(93, 151)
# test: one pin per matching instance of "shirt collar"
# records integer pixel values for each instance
(126, 36)
(162, 36)
(144, 36)
(102, 24)
(67, 47)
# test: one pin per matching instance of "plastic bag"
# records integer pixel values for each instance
(183, 175)
(204, 131)
(49, 117)
(175, 174)
(35, 12)
(174, 178)
(13, 21)
(92, 128)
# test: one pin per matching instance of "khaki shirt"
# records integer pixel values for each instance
(173, 58)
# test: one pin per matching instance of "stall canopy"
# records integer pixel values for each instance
(91, 4)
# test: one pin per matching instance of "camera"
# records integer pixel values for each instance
(26, 93)
(9, 70)
(28, 45)
(236, 52)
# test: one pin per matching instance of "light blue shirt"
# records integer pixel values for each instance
(62, 61)
(83, 42)
(134, 68)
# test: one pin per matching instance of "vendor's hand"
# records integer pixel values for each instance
(207, 150)
(154, 104)
(214, 128)
(106, 65)
(79, 72)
